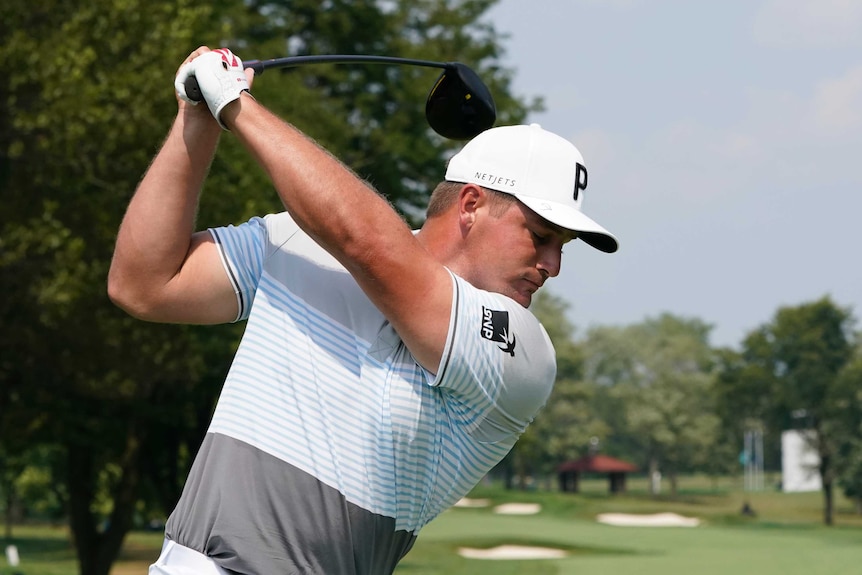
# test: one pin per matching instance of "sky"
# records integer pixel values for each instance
(724, 147)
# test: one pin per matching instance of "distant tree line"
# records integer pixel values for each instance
(658, 394)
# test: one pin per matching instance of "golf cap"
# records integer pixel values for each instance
(544, 171)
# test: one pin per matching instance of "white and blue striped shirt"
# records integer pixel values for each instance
(321, 380)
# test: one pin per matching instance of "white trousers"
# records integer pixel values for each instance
(178, 560)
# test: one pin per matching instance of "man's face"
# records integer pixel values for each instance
(517, 252)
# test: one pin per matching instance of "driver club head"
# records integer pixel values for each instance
(460, 106)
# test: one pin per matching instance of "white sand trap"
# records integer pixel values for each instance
(518, 508)
(654, 520)
(467, 502)
(512, 552)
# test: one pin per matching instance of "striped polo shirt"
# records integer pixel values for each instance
(330, 446)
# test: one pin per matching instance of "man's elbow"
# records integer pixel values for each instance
(127, 296)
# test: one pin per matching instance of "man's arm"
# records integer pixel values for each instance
(354, 224)
(161, 270)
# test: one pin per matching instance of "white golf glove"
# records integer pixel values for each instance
(219, 75)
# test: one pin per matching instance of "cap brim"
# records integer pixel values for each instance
(572, 219)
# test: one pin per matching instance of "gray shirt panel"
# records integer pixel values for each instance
(255, 514)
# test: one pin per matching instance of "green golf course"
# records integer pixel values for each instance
(785, 537)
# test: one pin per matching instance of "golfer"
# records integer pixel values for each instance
(383, 372)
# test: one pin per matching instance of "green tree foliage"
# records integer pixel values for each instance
(86, 102)
(846, 427)
(372, 116)
(790, 374)
(110, 407)
(657, 379)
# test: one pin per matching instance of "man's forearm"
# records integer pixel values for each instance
(340, 211)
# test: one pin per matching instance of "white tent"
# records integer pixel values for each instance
(799, 462)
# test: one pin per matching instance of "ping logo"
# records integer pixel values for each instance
(580, 179)
(224, 57)
(495, 327)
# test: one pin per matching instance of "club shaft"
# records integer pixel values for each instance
(290, 61)
(193, 91)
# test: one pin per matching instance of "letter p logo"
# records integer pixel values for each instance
(580, 179)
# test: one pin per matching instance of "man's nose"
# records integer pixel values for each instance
(550, 261)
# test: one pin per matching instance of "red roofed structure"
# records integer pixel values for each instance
(615, 469)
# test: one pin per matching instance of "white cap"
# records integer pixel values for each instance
(544, 171)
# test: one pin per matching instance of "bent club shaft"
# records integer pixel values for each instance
(459, 106)
(259, 66)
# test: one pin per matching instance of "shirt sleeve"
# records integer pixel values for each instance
(244, 250)
(499, 364)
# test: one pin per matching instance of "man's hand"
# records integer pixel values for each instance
(220, 76)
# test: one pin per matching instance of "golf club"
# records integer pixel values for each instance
(458, 107)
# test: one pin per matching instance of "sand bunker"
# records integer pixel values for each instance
(467, 502)
(654, 520)
(504, 509)
(512, 552)
(518, 508)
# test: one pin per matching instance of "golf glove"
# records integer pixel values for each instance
(220, 77)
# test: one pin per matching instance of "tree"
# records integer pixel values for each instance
(372, 116)
(78, 103)
(87, 99)
(792, 366)
(10, 468)
(659, 377)
(847, 427)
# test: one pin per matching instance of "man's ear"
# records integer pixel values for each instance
(470, 199)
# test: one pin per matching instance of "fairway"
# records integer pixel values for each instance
(600, 549)
(785, 538)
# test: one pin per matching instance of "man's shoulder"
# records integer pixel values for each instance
(491, 320)
(501, 360)
(495, 305)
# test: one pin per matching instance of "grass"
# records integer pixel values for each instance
(785, 538)
(708, 550)
(43, 550)
(46, 550)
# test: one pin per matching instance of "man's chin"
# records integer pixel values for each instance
(525, 299)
